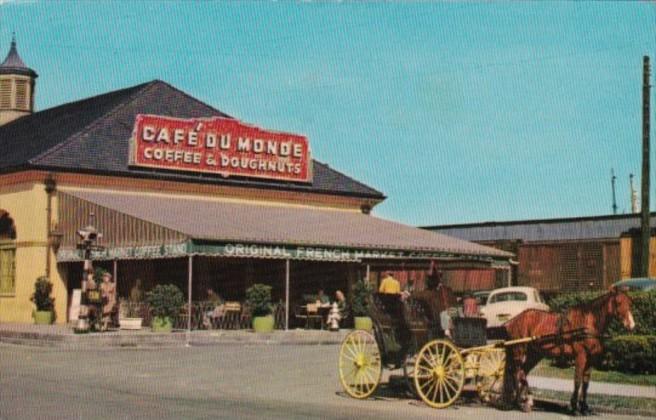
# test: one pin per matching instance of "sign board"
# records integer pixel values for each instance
(74, 308)
(221, 146)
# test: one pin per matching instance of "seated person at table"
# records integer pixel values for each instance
(216, 311)
(340, 299)
(322, 298)
(389, 285)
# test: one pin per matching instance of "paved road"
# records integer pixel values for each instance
(211, 382)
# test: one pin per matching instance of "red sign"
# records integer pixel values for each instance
(221, 146)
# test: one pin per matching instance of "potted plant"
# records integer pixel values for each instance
(130, 309)
(45, 304)
(258, 298)
(165, 301)
(129, 314)
(361, 295)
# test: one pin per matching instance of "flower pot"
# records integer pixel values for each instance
(263, 323)
(363, 323)
(43, 317)
(130, 323)
(162, 324)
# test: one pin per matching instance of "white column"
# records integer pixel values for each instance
(287, 264)
(189, 281)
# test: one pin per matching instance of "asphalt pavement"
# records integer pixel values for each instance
(203, 382)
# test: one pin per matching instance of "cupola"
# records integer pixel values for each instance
(16, 87)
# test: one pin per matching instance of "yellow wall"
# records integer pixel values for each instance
(23, 196)
(626, 248)
(26, 204)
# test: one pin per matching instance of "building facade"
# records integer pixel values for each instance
(568, 254)
(185, 194)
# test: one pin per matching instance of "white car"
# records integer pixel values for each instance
(508, 302)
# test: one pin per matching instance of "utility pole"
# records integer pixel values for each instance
(644, 226)
(612, 185)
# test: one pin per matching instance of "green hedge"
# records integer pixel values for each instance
(631, 353)
(644, 310)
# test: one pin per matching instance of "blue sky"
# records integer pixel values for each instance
(458, 112)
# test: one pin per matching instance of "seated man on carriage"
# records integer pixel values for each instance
(437, 300)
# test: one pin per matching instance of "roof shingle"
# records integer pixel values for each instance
(92, 135)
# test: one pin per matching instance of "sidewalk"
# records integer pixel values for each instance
(603, 388)
(63, 336)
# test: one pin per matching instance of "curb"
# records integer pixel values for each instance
(599, 408)
(145, 339)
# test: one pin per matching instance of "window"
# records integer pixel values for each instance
(21, 95)
(7, 267)
(7, 255)
(509, 296)
(5, 93)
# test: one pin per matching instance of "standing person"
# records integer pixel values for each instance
(409, 286)
(389, 284)
(136, 293)
(108, 293)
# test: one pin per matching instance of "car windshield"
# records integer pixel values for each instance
(508, 296)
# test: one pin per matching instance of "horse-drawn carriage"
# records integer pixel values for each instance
(407, 335)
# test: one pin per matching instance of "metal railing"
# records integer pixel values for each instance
(207, 315)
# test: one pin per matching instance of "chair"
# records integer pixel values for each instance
(313, 314)
(230, 318)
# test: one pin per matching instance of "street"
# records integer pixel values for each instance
(205, 382)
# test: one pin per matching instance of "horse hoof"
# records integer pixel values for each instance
(526, 406)
(586, 411)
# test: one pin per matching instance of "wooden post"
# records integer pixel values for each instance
(645, 231)
(287, 270)
(115, 274)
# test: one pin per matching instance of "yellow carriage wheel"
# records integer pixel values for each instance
(489, 377)
(360, 366)
(439, 373)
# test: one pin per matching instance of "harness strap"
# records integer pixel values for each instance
(560, 336)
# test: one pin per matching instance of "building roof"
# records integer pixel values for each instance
(229, 221)
(93, 135)
(13, 64)
(578, 228)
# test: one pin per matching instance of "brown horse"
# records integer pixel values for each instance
(574, 334)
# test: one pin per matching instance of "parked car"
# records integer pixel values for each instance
(636, 284)
(508, 302)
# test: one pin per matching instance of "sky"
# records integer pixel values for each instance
(458, 112)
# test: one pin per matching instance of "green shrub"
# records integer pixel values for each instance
(258, 297)
(41, 296)
(631, 353)
(361, 295)
(165, 300)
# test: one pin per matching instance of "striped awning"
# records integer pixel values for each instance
(210, 226)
